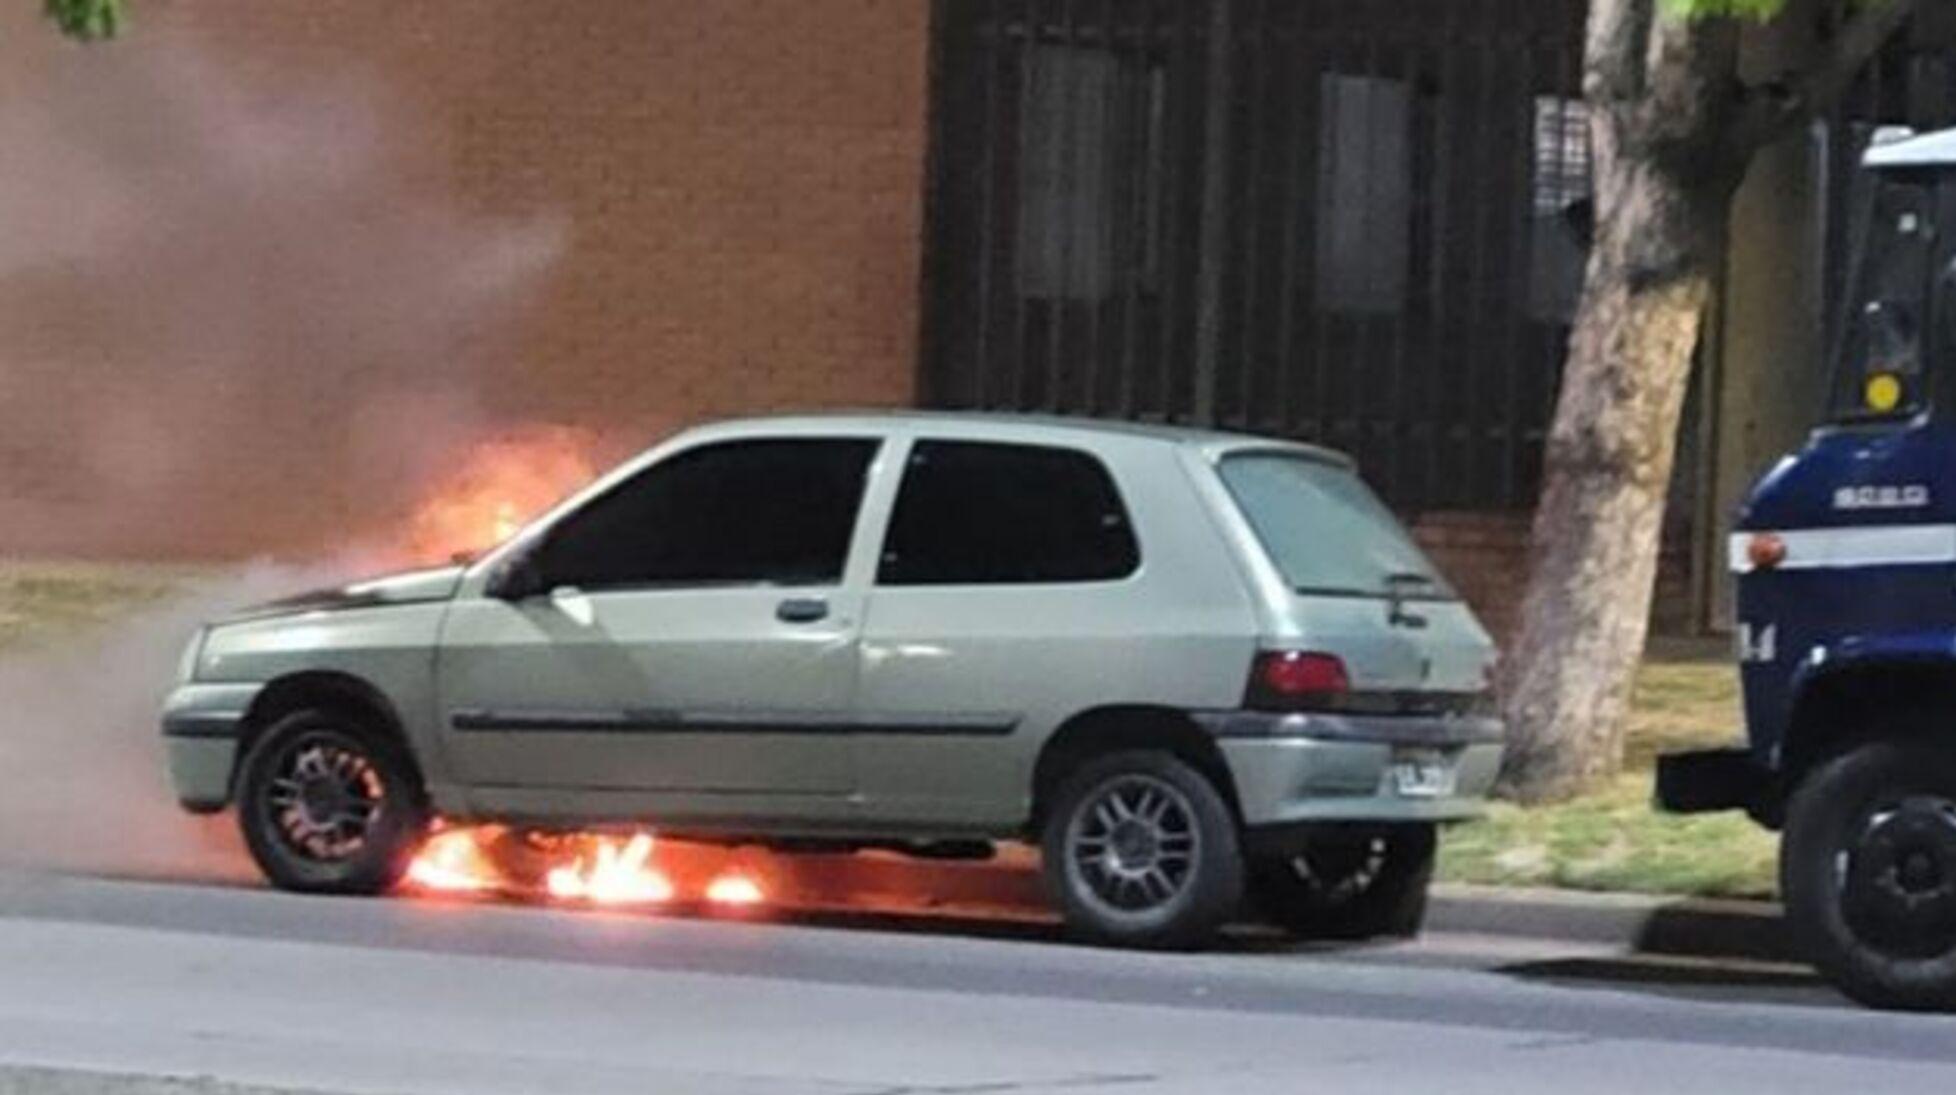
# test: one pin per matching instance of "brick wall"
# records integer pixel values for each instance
(1485, 556)
(732, 192)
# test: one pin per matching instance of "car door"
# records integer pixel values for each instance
(1003, 593)
(694, 653)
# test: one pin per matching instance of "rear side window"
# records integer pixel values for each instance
(771, 512)
(1325, 530)
(972, 513)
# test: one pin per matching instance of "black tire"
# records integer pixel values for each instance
(286, 829)
(1868, 873)
(1194, 852)
(1350, 883)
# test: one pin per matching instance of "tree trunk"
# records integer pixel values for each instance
(1674, 130)
(1663, 194)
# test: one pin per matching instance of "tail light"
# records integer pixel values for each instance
(1296, 679)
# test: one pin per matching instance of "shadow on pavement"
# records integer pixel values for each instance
(1696, 979)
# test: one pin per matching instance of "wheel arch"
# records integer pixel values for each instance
(1114, 727)
(319, 688)
(1862, 700)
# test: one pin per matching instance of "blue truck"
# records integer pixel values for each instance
(1845, 556)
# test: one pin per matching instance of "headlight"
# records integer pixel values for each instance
(187, 663)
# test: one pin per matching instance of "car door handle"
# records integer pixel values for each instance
(802, 610)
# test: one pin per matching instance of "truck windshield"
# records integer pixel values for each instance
(1326, 531)
(1880, 374)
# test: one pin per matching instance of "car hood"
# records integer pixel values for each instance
(408, 587)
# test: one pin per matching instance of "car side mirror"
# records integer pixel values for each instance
(518, 578)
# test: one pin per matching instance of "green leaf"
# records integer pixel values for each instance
(1729, 9)
(86, 20)
(1760, 10)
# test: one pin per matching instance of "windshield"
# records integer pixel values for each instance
(1326, 531)
(1880, 373)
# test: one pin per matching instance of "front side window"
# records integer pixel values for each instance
(973, 513)
(1881, 373)
(774, 512)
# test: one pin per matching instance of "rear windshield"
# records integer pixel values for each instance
(1326, 531)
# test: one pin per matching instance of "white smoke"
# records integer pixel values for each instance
(236, 312)
(80, 741)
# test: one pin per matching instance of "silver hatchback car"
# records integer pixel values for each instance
(1192, 666)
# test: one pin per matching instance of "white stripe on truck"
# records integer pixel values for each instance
(1870, 546)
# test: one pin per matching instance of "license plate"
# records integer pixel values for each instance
(1423, 775)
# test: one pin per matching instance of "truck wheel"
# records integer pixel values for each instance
(1141, 851)
(1868, 870)
(329, 804)
(1350, 884)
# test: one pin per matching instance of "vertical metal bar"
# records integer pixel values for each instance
(1322, 319)
(988, 248)
(1172, 276)
(1419, 244)
(1107, 137)
(1146, 206)
(932, 363)
(1064, 161)
(1215, 212)
(1297, 131)
(1028, 74)
(1253, 191)
(1442, 354)
(1467, 492)
(1521, 194)
(1386, 328)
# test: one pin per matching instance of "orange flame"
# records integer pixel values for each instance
(497, 487)
(734, 889)
(617, 876)
(582, 868)
(452, 861)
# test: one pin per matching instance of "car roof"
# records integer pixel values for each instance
(1014, 426)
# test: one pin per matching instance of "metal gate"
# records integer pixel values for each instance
(1359, 222)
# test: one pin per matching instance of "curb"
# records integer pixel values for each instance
(1676, 926)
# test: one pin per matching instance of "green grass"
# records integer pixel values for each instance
(1611, 839)
(46, 601)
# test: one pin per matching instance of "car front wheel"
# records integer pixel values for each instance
(330, 804)
(1141, 851)
(1868, 870)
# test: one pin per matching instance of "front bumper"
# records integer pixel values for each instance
(1712, 780)
(201, 724)
(1306, 767)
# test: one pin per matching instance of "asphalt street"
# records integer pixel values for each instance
(219, 986)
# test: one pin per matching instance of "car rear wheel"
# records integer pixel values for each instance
(330, 804)
(1350, 883)
(1141, 850)
(1868, 869)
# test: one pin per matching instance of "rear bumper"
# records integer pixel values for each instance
(1713, 780)
(201, 723)
(1306, 768)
